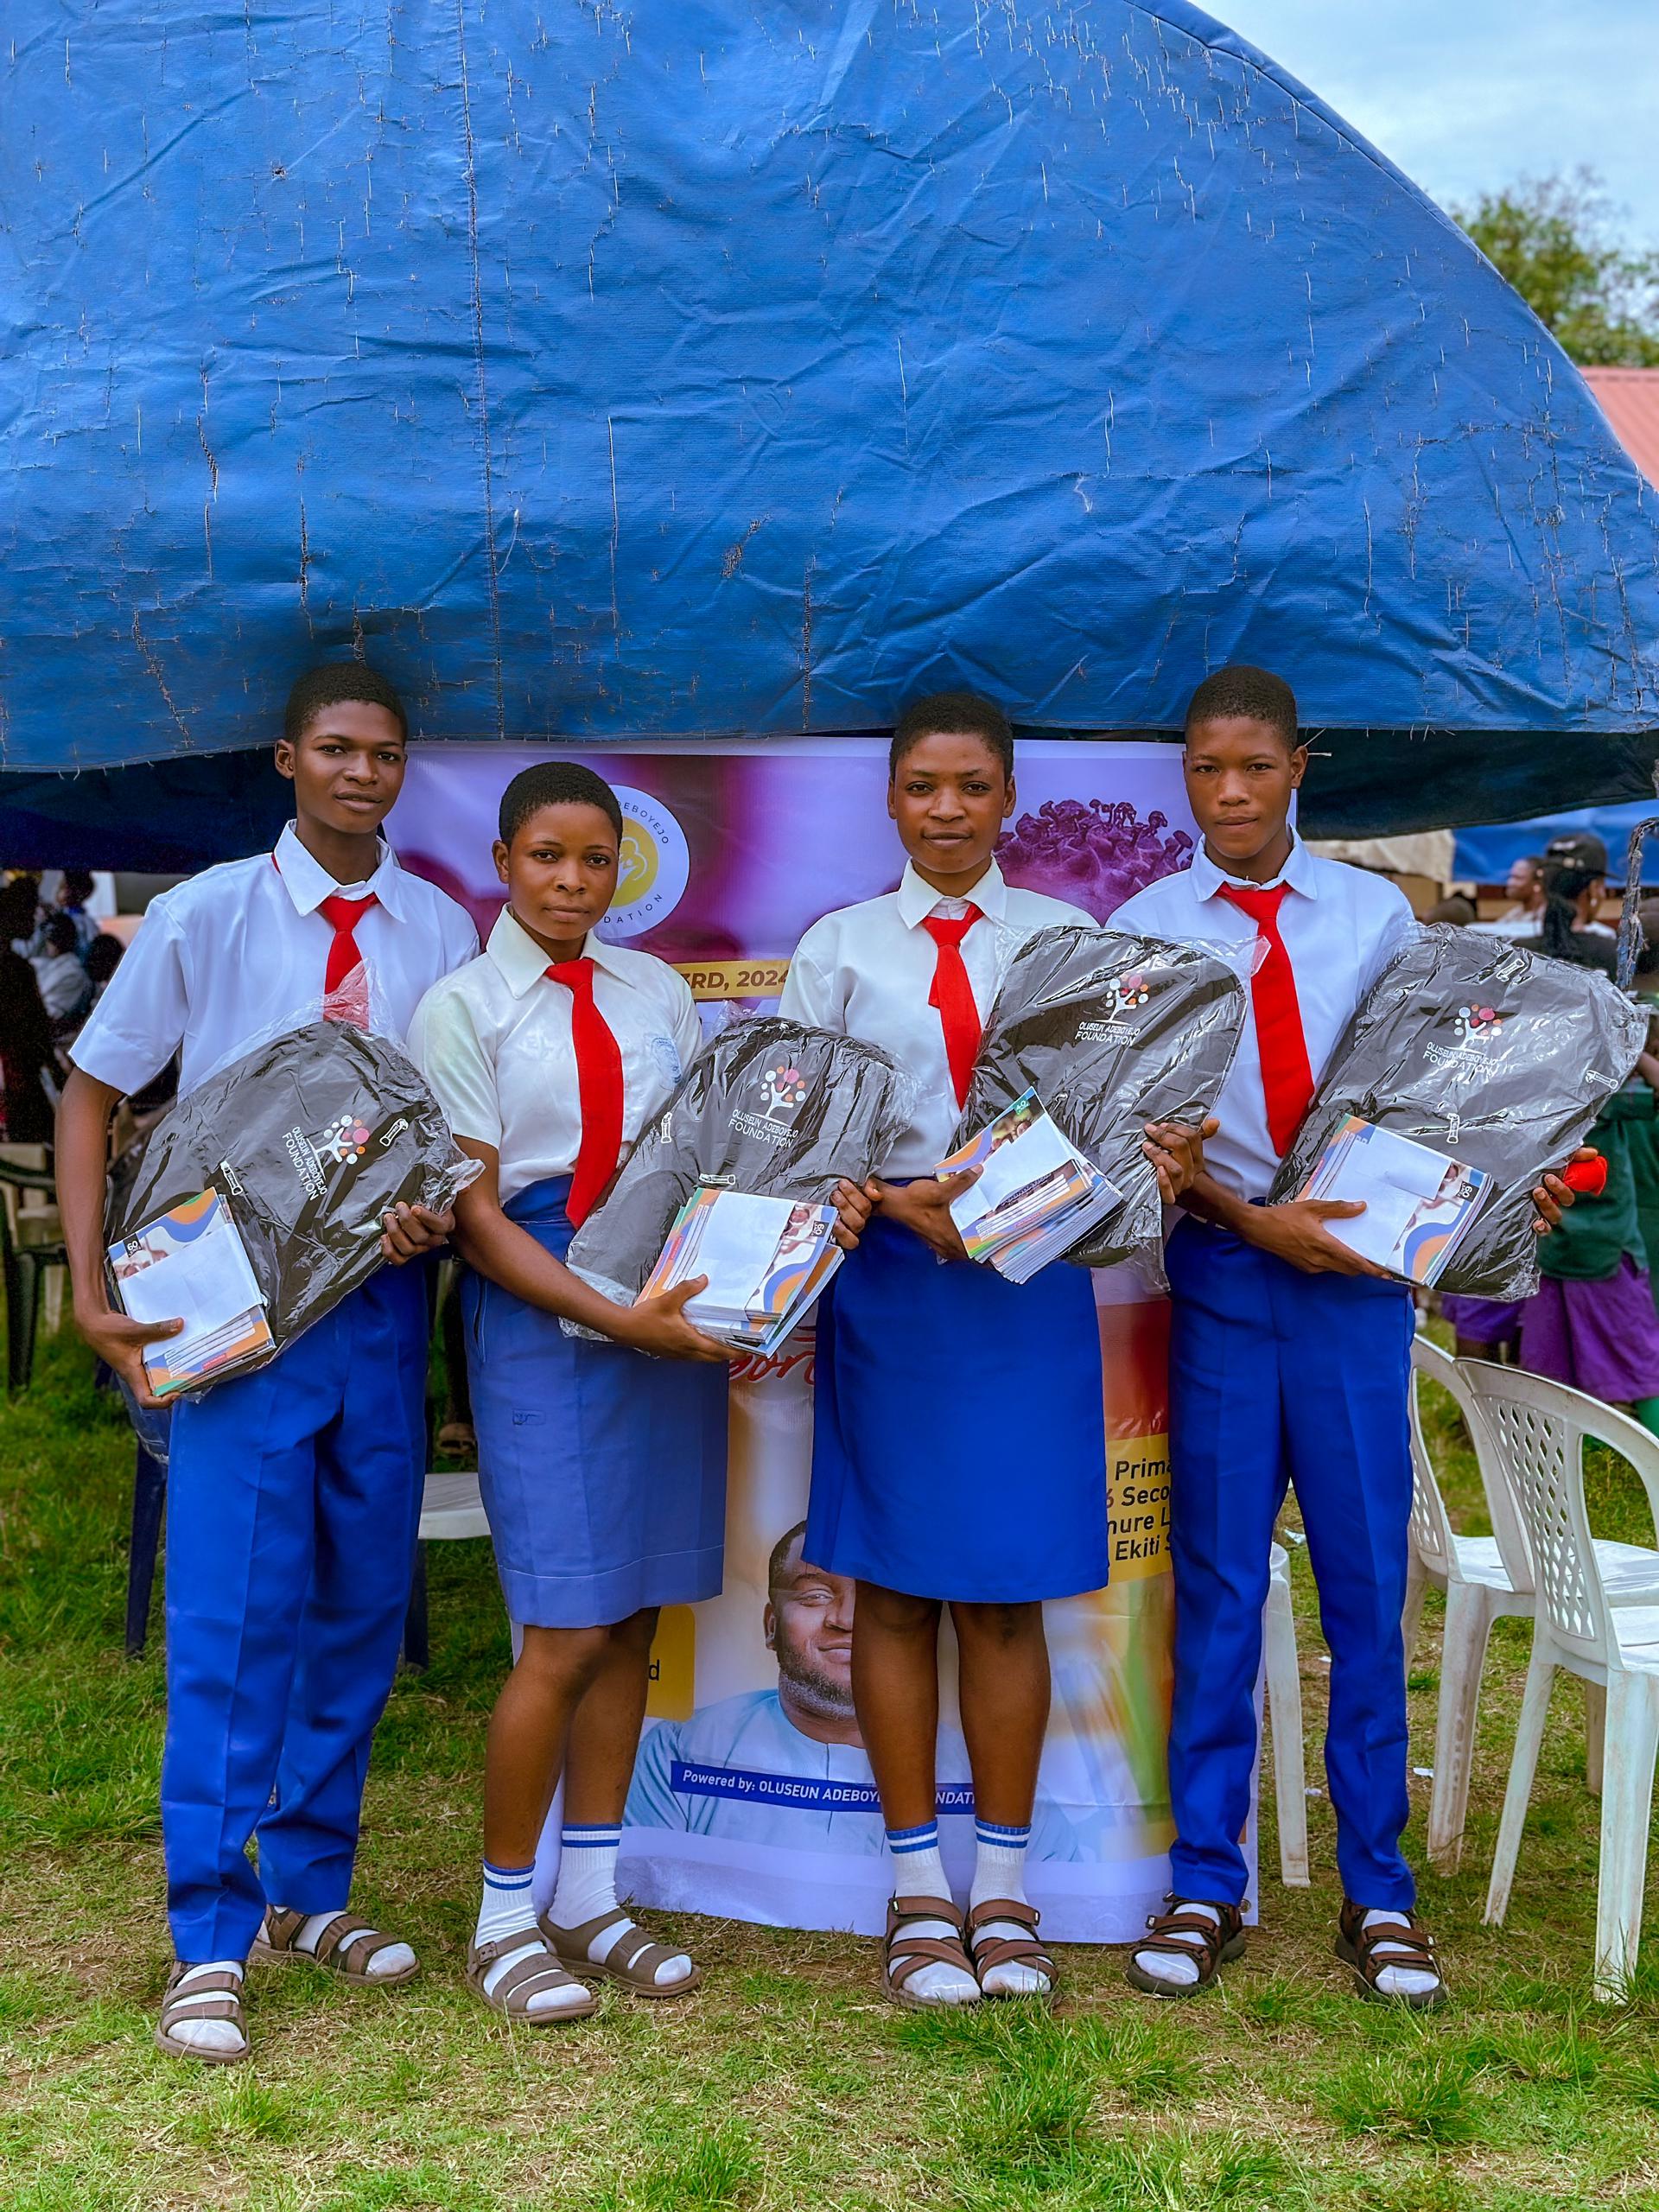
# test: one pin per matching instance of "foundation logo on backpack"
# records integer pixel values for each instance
(653, 866)
(783, 1089)
(1475, 1028)
(1123, 994)
(342, 1144)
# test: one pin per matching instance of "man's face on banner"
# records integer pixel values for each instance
(809, 1623)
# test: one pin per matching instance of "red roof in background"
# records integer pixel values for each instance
(1630, 399)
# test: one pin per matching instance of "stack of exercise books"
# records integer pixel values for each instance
(190, 1264)
(1035, 1197)
(767, 1261)
(1419, 1204)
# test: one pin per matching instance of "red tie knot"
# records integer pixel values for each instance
(576, 976)
(947, 933)
(1261, 906)
(343, 913)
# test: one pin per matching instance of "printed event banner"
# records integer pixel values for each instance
(753, 1797)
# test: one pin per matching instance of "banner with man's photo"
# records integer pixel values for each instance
(753, 1797)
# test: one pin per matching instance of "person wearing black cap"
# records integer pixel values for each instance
(1575, 878)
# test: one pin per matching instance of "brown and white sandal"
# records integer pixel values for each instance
(631, 1960)
(904, 1955)
(345, 1947)
(988, 1951)
(537, 1971)
(1409, 1945)
(209, 1996)
(1185, 1934)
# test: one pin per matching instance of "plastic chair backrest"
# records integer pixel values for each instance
(1431, 1529)
(1540, 1427)
(1503, 1507)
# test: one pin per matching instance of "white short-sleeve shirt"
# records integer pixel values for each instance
(493, 1040)
(1340, 925)
(866, 971)
(239, 954)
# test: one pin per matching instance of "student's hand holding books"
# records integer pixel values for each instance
(854, 1204)
(658, 1325)
(120, 1344)
(924, 1207)
(1295, 1231)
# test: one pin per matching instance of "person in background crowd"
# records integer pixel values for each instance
(1593, 1322)
(28, 1067)
(294, 1493)
(1456, 909)
(1526, 891)
(1574, 883)
(102, 958)
(24, 913)
(74, 889)
(65, 990)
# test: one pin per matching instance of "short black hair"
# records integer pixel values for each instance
(61, 933)
(104, 956)
(954, 713)
(1242, 690)
(78, 882)
(556, 782)
(331, 684)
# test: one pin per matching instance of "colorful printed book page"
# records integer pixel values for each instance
(190, 1264)
(1419, 1204)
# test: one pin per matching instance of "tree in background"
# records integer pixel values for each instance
(1553, 238)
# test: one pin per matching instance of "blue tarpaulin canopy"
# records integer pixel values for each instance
(1486, 854)
(710, 367)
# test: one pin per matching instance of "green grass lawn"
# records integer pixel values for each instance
(787, 2082)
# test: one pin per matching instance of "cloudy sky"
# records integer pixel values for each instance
(1468, 94)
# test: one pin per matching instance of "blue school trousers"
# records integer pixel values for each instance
(1278, 1377)
(294, 1496)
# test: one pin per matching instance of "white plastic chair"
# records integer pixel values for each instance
(1540, 1427)
(1485, 1578)
(451, 1506)
(1285, 1718)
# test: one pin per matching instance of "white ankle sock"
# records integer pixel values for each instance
(1398, 1981)
(208, 2035)
(393, 1958)
(587, 1887)
(918, 1872)
(1000, 1872)
(506, 1911)
(1181, 1973)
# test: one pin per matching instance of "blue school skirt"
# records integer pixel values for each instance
(603, 1471)
(959, 1437)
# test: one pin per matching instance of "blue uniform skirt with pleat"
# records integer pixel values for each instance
(959, 1440)
(603, 1471)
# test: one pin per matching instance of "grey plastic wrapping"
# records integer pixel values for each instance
(1495, 1056)
(770, 1107)
(1112, 1031)
(310, 1138)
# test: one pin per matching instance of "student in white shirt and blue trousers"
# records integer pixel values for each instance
(1289, 1364)
(959, 1440)
(603, 1472)
(294, 1492)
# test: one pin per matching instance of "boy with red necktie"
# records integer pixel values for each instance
(294, 1493)
(1289, 1363)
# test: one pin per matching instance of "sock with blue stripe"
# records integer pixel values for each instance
(586, 1888)
(1000, 1872)
(505, 1911)
(918, 1872)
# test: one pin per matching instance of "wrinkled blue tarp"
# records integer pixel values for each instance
(712, 366)
(1486, 854)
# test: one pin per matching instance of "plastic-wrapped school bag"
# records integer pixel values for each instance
(1494, 1055)
(769, 1107)
(307, 1139)
(1112, 1031)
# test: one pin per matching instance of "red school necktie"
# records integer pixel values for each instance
(343, 916)
(953, 995)
(599, 1089)
(1287, 1076)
